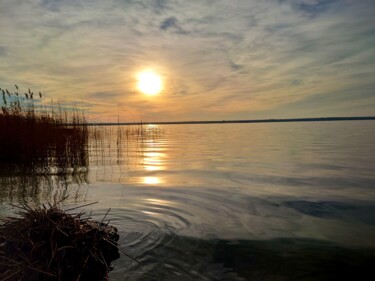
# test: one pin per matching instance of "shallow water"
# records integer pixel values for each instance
(277, 201)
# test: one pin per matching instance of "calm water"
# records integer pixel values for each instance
(281, 201)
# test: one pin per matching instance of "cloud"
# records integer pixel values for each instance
(169, 23)
(172, 24)
(109, 96)
(53, 5)
(160, 5)
(237, 58)
(315, 7)
(3, 51)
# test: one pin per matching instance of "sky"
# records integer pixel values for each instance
(218, 59)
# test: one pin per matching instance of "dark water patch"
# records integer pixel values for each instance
(294, 259)
(364, 212)
(305, 181)
(185, 258)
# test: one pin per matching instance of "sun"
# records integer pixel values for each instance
(149, 82)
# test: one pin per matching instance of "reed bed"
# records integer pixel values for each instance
(47, 243)
(34, 138)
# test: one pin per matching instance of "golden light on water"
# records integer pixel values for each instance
(149, 82)
(153, 161)
(151, 180)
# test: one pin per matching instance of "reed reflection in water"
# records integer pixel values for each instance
(64, 169)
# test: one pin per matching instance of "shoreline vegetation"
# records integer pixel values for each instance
(33, 136)
(44, 242)
(315, 119)
(45, 147)
(50, 138)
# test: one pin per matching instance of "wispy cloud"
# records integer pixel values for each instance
(219, 59)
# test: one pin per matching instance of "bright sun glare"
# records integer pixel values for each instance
(149, 82)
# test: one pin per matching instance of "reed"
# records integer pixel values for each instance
(33, 137)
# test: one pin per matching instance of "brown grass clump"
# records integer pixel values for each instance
(46, 243)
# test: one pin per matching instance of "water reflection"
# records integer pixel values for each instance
(228, 200)
(153, 161)
(153, 154)
(108, 154)
(128, 154)
(160, 202)
(45, 181)
(152, 180)
(40, 188)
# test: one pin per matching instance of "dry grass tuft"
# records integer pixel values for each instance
(46, 243)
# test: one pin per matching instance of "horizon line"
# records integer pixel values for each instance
(313, 119)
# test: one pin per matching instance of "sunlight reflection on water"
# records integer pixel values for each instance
(151, 180)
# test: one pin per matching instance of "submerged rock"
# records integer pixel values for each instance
(47, 243)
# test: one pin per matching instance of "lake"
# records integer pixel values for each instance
(261, 201)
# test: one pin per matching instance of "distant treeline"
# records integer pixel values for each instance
(319, 119)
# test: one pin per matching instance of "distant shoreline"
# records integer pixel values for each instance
(320, 119)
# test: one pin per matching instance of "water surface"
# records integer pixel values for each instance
(271, 201)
